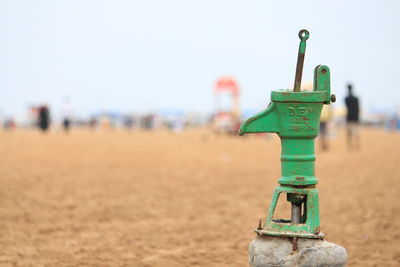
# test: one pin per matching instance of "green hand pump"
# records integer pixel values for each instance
(294, 115)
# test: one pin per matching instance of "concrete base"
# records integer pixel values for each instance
(278, 252)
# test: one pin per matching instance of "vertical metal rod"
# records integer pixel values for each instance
(303, 35)
(296, 213)
(295, 218)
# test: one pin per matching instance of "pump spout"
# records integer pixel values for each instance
(264, 122)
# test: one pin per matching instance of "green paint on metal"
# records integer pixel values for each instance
(309, 226)
(295, 116)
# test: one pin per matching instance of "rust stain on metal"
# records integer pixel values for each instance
(259, 225)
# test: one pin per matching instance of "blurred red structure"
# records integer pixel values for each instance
(226, 118)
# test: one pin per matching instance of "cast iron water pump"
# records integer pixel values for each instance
(294, 115)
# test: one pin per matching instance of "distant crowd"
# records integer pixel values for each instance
(177, 122)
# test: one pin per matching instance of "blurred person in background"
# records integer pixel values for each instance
(66, 113)
(352, 119)
(105, 123)
(44, 118)
(9, 124)
(128, 122)
(93, 123)
(148, 122)
(326, 115)
(393, 123)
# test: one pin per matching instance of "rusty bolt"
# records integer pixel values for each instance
(333, 98)
(294, 244)
(259, 225)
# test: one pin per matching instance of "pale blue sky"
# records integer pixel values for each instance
(145, 55)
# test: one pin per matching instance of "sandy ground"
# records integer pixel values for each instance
(191, 199)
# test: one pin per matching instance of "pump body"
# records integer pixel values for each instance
(294, 116)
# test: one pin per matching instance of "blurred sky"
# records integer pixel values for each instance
(145, 55)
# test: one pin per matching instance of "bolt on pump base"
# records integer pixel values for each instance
(294, 115)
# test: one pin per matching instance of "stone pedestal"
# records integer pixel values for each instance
(278, 252)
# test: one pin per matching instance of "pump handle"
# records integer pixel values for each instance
(303, 35)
